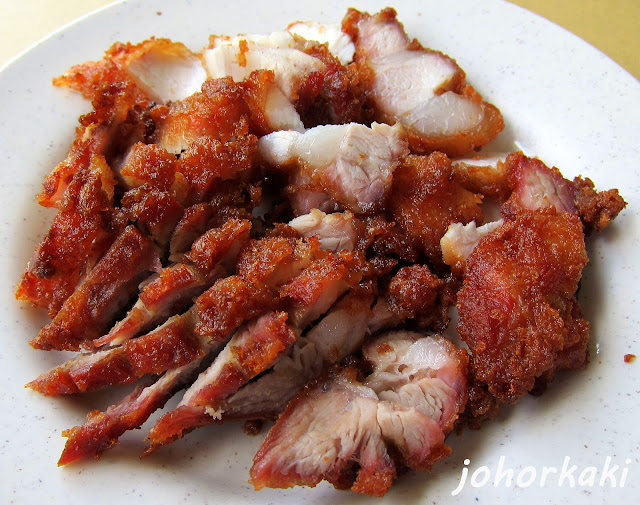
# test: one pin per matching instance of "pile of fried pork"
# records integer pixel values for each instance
(280, 226)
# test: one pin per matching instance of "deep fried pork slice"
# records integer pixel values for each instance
(537, 186)
(338, 42)
(218, 111)
(152, 165)
(154, 211)
(161, 69)
(460, 240)
(518, 312)
(422, 89)
(304, 195)
(207, 162)
(108, 288)
(269, 108)
(338, 334)
(171, 345)
(305, 297)
(102, 429)
(336, 232)
(354, 164)
(280, 52)
(413, 294)
(118, 120)
(80, 233)
(484, 174)
(250, 351)
(211, 256)
(344, 431)
(311, 293)
(426, 198)
(407, 368)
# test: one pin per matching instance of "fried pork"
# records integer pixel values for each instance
(277, 225)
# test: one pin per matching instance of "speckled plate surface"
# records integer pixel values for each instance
(562, 101)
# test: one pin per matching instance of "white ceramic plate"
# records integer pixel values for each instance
(562, 100)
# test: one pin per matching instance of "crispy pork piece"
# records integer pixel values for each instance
(171, 345)
(80, 233)
(537, 186)
(484, 174)
(218, 111)
(353, 163)
(270, 109)
(460, 239)
(304, 195)
(118, 120)
(164, 70)
(154, 211)
(311, 293)
(337, 335)
(426, 198)
(413, 293)
(207, 162)
(211, 256)
(161, 69)
(349, 432)
(305, 297)
(152, 165)
(102, 429)
(336, 232)
(339, 43)
(518, 311)
(279, 52)
(422, 89)
(596, 208)
(250, 351)
(94, 304)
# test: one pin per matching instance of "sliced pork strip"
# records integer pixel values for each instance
(460, 239)
(420, 88)
(119, 119)
(336, 232)
(153, 165)
(337, 335)
(250, 351)
(352, 162)
(535, 186)
(78, 236)
(102, 429)
(338, 42)
(171, 345)
(240, 56)
(105, 291)
(155, 212)
(211, 256)
(193, 223)
(270, 109)
(165, 70)
(319, 433)
(318, 286)
(408, 403)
